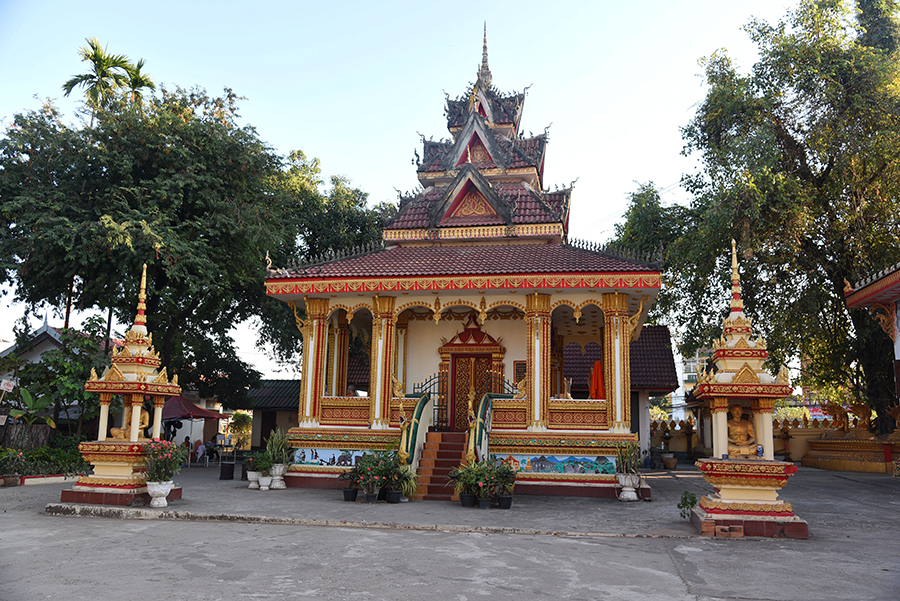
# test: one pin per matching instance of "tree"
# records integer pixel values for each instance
(178, 185)
(109, 72)
(324, 221)
(800, 164)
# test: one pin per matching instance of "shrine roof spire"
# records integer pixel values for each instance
(484, 73)
(737, 303)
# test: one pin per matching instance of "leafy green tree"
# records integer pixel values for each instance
(109, 73)
(332, 220)
(800, 164)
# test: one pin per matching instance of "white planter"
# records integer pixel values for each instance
(158, 492)
(253, 477)
(277, 472)
(629, 484)
(265, 482)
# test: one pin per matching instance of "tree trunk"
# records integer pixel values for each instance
(26, 437)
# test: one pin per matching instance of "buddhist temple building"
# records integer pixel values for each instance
(477, 293)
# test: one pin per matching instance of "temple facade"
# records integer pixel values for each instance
(469, 309)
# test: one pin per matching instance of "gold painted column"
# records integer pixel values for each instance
(104, 415)
(341, 355)
(538, 343)
(315, 342)
(719, 408)
(616, 372)
(382, 360)
(401, 347)
(762, 417)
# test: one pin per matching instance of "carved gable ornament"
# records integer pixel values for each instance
(746, 375)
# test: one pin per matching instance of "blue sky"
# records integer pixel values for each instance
(353, 82)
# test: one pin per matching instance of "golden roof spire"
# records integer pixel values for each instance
(484, 73)
(737, 303)
(140, 318)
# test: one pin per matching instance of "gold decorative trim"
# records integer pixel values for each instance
(92, 480)
(777, 507)
(476, 232)
(301, 286)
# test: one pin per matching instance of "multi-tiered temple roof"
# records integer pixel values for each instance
(482, 210)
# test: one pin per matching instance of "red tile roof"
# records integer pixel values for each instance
(652, 362)
(526, 206)
(466, 260)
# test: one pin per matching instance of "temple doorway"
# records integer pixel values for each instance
(468, 378)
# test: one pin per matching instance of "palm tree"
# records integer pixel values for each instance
(109, 72)
(138, 81)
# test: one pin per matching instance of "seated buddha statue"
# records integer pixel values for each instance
(741, 437)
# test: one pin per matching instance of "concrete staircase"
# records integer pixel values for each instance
(442, 452)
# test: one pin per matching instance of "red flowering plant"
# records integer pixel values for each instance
(164, 460)
(376, 470)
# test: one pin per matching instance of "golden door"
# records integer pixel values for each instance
(470, 373)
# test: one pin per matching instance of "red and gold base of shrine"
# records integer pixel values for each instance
(746, 472)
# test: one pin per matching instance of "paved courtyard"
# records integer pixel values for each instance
(218, 543)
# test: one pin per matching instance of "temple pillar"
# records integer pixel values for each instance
(104, 415)
(616, 347)
(719, 409)
(315, 341)
(400, 349)
(158, 402)
(538, 343)
(341, 354)
(137, 403)
(762, 424)
(381, 364)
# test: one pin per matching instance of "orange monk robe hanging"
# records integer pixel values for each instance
(598, 389)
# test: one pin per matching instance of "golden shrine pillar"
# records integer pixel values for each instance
(719, 409)
(380, 387)
(537, 371)
(617, 329)
(315, 345)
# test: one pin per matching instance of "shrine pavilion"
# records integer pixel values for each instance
(469, 309)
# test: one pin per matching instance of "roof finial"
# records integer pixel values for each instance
(140, 318)
(737, 303)
(484, 73)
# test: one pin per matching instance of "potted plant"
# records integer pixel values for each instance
(464, 479)
(487, 484)
(279, 450)
(264, 467)
(627, 460)
(252, 470)
(351, 478)
(11, 462)
(505, 482)
(371, 474)
(409, 482)
(164, 460)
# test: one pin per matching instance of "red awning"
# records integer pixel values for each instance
(180, 408)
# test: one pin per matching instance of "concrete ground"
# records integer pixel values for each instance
(223, 541)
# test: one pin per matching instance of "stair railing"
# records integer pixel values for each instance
(413, 430)
(479, 430)
(435, 386)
